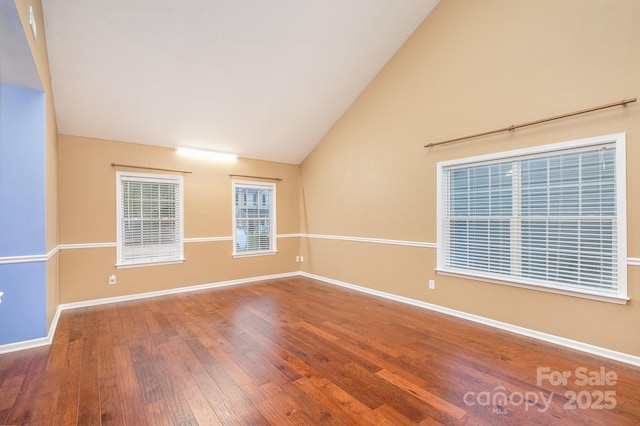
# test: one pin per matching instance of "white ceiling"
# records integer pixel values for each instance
(261, 79)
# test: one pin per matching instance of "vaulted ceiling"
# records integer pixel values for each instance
(261, 79)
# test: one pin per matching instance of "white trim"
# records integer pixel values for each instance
(43, 341)
(24, 259)
(601, 297)
(27, 344)
(54, 325)
(53, 252)
(440, 198)
(621, 212)
(371, 240)
(34, 343)
(254, 253)
(86, 246)
(45, 257)
(572, 344)
(107, 300)
(631, 261)
(147, 264)
(30, 258)
(207, 239)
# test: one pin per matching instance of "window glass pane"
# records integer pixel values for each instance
(480, 200)
(253, 218)
(150, 220)
(574, 184)
(548, 219)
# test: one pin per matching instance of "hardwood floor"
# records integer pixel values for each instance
(296, 351)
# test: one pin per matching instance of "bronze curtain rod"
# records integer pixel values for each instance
(256, 177)
(531, 123)
(129, 166)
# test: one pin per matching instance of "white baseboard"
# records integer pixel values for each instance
(96, 302)
(573, 344)
(34, 343)
(28, 344)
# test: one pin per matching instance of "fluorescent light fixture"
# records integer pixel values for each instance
(212, 155)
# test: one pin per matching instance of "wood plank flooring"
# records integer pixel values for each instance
(296, 351)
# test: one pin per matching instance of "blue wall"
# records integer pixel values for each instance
(22, 172)
(23, 312)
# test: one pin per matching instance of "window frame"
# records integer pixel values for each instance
(617, 139)
(272, 217)
(121, 177)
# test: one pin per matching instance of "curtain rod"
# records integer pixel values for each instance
(129, 166)
(256, 177)
(531, 123)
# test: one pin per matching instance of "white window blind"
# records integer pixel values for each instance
(549, 217)
(254, 217)
(150, 226)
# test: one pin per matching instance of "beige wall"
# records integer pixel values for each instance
(88, 216)
(38, 48)
(475, 65)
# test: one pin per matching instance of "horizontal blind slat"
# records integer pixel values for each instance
(557, 211)
(150, 219)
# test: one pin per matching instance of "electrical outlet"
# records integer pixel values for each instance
(301, 259)
(297, 259)
(112, 279)
(432, 285)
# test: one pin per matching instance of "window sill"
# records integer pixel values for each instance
(146, 264)
(255, 253)
(620, 300)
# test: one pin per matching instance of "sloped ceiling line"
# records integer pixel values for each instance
(263, 80)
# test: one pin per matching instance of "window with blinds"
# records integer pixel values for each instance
(150, 226)
(254, 218)
(551, 217)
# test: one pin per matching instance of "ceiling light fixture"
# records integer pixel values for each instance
(212, 155)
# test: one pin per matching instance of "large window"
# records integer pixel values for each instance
(551, 217)
(150, 226)
(254, 224)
